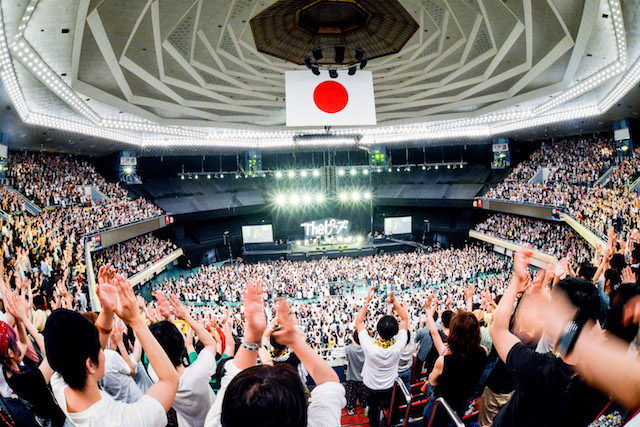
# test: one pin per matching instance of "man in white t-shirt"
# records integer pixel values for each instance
(381, 356)
(74, 348)
(194, 396)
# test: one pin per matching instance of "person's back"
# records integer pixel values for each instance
(460, 376)
(355, 356)
(549, 393)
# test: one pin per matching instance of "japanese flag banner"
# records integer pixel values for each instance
(322, 101)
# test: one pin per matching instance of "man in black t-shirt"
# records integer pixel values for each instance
(549, 392)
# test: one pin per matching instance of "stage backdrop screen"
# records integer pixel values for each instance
(397, 225)
(257, 233)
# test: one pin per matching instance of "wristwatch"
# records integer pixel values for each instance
(570, 335)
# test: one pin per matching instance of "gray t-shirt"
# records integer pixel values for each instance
(355, 354)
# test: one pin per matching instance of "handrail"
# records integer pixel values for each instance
(450, 412)
(515, 202)
(102, 230)
(398, 383)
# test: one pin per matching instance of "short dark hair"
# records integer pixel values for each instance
(635, 255)
(387, 327)
(446, 318)
(618, 263)
(586, 270)
(615, 324)
(266, 396)
(464, 333)
(583, 295)
(69, 340)
(170, 339)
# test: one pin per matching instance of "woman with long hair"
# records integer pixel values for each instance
(460, 365)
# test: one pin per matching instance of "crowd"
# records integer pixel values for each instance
(237, 345)
(135, 255)
(553, 238)
(58, 181)
(570, 187)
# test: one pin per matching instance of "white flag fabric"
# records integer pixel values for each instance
(322, 101)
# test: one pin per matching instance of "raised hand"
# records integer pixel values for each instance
(127, 309)
(255, 319)
(628, 276)
(178, 308)
(106, 288)
(391, 299)
(15, 304)
(288, 333)
(163, 305)
(370, 294)
(521, 263)
(631, 312)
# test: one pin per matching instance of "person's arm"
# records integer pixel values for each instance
(402, 312)
(182, 313)
(433, 329)
(118, 330)
(164, 390)
(363, 311)
(290, 336)
(602, 361)
(255, 323)
(437, 371)
(108, 296)
(230, 344)
(502, 338)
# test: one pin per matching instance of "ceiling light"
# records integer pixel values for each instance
(316, 173)
(303, 174)
(278, 174)
(291, 174)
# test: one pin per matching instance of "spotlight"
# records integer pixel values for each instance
(340, 239)
(352, 70)
(281, 200)
(355, 196)
(195, 176)
(343, 197)
(347, 239)
(306, 199)
(397, 169)
(359, 239)
(339, 54)
(448, 166)
(221, 176)
(237, 176)
(424, 168)
(316, 173)
(461, 165)
(317, 53)
(291, 174)
(294, 199)
(333, 74)
(436, 167)
(128, 170)
(353, 172)
(407, 169)
(315, 70)
(341, 172)
(298, 242)
(367, 195)
(278, 174)
(389, 170)
(208, 176)
(303, 174)
(365, 172)
(182, 177)
(320, 198)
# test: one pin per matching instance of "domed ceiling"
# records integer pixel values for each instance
(188, 72)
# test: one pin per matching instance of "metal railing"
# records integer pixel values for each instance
(406, 397)
(450, 413)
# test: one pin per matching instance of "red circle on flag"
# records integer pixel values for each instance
(331, 97)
